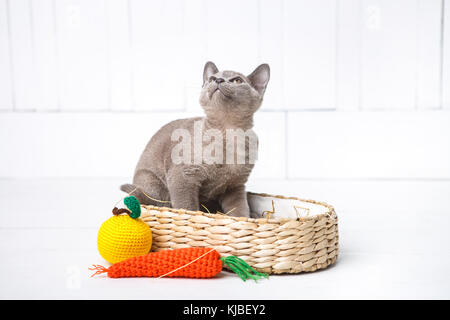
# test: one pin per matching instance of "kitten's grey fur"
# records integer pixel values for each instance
(228, 104)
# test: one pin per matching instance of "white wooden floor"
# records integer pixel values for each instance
(394, 244)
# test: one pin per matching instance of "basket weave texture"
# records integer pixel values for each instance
(275, 246)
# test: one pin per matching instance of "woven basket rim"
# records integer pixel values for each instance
(329, 213)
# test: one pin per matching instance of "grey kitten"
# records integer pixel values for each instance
(229, 100)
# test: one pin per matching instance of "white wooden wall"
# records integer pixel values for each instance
(359, 88)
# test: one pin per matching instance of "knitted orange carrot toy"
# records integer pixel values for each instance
(186, 262)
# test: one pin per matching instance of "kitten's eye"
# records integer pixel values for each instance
(237, 80)
(212, 78)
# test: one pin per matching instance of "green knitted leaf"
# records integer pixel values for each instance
(133, 204)
(242, 269)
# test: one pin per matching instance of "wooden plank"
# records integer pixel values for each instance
(158, 75)
(271, 129)
(194, 51)
(232, 34)
(446, 56)
(119, 52)
(368, 145)
(429, 54)
(6, 93)
(22, 48)
(76, 144)
(271, 51)
(348, 64)
(310, 61)
(44, 55)
(380, 29)
(389, 54)
(342, 145)
(82, 53)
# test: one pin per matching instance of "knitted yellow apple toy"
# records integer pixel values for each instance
(124, 236)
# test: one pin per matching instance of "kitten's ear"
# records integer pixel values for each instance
(260, 77)
(209, 70)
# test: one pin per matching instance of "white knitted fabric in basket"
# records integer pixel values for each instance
(284, 208)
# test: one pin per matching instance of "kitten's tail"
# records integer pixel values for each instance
(131, 189)
(142, 196)
(128, 187)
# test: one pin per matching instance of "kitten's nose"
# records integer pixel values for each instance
(219, 80)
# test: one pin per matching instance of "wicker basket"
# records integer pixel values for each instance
(285, 235)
